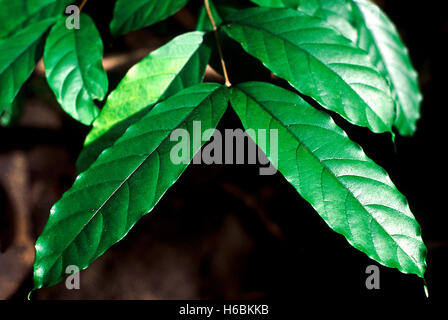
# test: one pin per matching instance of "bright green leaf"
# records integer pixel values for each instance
(380, 38)
(19, 55)
(318, 62)
(124, 183)
(354, 196)
(132, 15)
(338, 13)
(179, 64)
(74, 70)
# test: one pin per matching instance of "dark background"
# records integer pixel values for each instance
(224, 232)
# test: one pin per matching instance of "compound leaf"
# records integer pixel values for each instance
(132, 15)
(378, 35)
(73, 67)
(318, 62)
(354, 196)
(178, 64)
(19, 55)
(124, 183)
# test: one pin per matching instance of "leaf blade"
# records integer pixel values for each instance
(177, 65)
(337, 13)
(16, 15)
(354, 196)
(348, 83)
(132, 15)
(73, 67)
(20, 53)
(379, 36)
(97, 211)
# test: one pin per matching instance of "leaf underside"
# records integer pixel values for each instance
(354, 196)
(108, 199)
(317, 61)
(177, 65)
(74, 69)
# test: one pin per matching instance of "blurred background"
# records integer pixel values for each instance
(224, 232)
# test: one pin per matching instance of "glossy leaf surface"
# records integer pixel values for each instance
(378, 35)
(354, 196)
(136, 14)
(318, 62)
(124, 183)
(19, 55)
(74, 69)
(338, 13)
(179, 64)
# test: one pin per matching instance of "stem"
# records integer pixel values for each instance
(83, 3)
(215, 31)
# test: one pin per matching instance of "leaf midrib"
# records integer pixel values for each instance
(129, 176)
(384, 63)
(328, 169)
(310, 55)
(160, 99)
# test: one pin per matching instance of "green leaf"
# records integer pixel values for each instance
(380, 38)
(74, 69)
(178, 64)
(132, 15)
(318, 62)
(124, 183)
(354, 196)
(337, 13)
(19, 55)
(17, 14)
(280, 3)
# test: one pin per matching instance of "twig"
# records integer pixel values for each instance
(215, 30)
(82, 5)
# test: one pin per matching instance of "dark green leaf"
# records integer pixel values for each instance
(136, 14)
(74, 70)
(280, 3)
(338, 13)
(318, 62)
(378, 35)
(17, 14)
(179, 64)
(124, 183)
(19, 55)
(350, 192)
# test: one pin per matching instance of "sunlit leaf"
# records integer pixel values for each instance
(178, 64)
(124, 183)
(354, 196)
(74, 70)
(318, 62)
